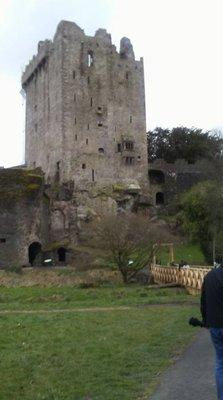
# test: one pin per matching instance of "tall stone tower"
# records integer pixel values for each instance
(85, 110)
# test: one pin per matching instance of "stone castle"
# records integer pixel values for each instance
(86, 148)
(85, 110)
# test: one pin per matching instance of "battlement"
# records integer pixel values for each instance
(37, 61)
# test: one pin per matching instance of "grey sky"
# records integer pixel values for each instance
(180, 40)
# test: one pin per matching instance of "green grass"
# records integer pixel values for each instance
(100, 356)
(34, 298)
(94, 354)
(189, 252)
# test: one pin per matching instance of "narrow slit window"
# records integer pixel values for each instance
(75, 97)
(74, 74)
(83, 166)
(76, 137)
(127, 75)
(86, 141)
(75, 120)
(88, 127)
(91, 102)
(36, 127)
(92, 175)
(119, 147)
(88, 80)
(130, 119)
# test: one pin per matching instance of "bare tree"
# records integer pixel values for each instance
(129, 240)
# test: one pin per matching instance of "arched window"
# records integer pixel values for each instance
(34, 249)
(101, 150)
(159, 198)
(156, 177)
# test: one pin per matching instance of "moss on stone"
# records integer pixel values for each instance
(56, 245)
(16, 183)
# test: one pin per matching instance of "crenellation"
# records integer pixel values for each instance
(37, 62)
(88, 97)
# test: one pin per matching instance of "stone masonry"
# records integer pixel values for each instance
(85, 110)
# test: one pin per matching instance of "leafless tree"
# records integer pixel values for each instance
(131, 241)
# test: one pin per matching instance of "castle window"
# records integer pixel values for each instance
(83, 166)
(86, 141)
(75, 120)
(75, 137)
(90, 58)
(91, 102)
(159, 198)
(57, 176)
(35, 127)
(119, 147)
(130, 119)
(92, 175)
(156, 177)
(100, 123)
(74, 74)
(127, 75)
(129, 145)
(75, 97)
(129, 160)
(101, 150)
(88, 80)
(2, 240)
(35, 107)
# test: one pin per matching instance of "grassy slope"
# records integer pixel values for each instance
(189, 252)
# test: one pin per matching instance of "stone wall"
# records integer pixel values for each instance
(24, 216)
(177, 177)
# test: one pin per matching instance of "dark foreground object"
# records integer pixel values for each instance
(192, 376)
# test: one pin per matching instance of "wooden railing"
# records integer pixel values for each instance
(191, 278)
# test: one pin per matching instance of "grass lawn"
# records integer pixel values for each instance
(99, 355)
(34, 298)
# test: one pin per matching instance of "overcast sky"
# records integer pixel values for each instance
(181, 42)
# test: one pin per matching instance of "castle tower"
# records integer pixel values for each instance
(85, 110)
